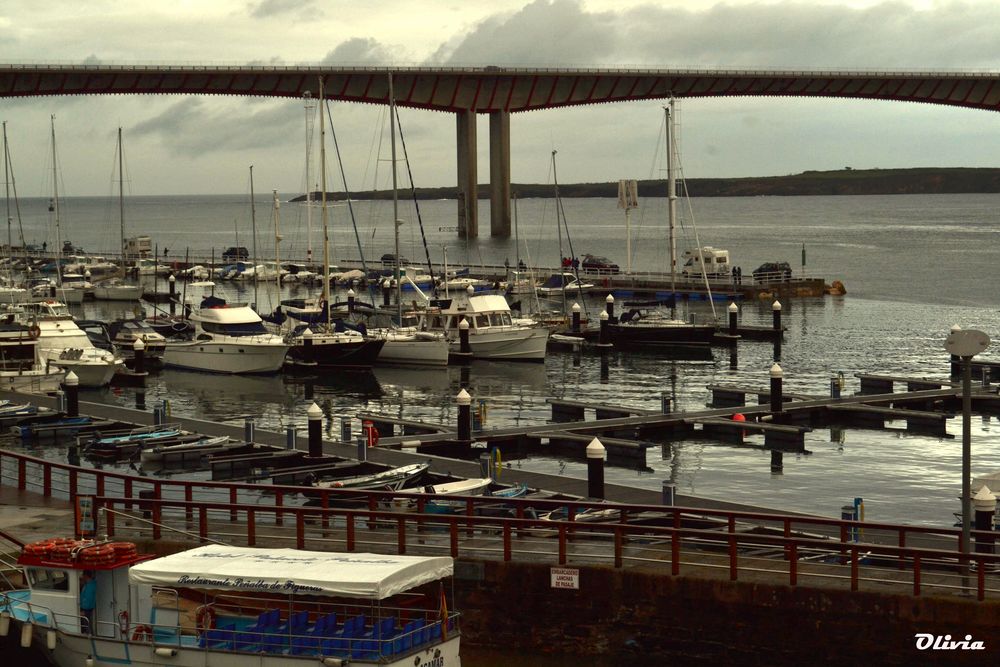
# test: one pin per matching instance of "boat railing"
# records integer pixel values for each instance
(266, 625)
(41, 615)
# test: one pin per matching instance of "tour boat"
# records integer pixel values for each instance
(229, 606)
(228, 338)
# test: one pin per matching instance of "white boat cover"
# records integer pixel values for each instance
(292, 572)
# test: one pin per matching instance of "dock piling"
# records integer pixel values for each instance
(172, 282)
(595, 469)
(604, 340)
(350, 301)
(668, 493)
(291, 438)
(248, 429)
(576, 318)
(345, 428)
(139, 352)
(610, 301)
(72, 388)
(315, 416)
(776, 315)
(776, 381)
(464, 402)
(733, 314)
(386, 293)
(362, 445)
(777, 461)
(986, 506)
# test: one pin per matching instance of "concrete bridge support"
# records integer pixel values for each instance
(468, 190)
(500, 174)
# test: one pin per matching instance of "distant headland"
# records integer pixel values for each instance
(848, 181)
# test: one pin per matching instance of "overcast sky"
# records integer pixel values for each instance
(176, 144)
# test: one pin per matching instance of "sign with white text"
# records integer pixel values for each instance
(563, 577)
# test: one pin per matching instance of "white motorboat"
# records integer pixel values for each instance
(62, 344)
(493, 333)
(21, 367)
(228, 338)
(558, 283)
(476, 486)
(411, 346)
(266, 607)
(117, 290)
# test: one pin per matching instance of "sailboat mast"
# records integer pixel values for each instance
(277, 242)
(121, 195)
(671, 205)
(253, 244)
(6, 184)
(395, 201)
(555, 181)
(326, 231)
(310, 106)
(55, 190)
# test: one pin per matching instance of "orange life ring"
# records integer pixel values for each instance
(142, 633)
(205, 618)
(42, 548)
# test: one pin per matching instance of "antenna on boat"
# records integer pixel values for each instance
(55, 203)
(310, 108)
(253, 230)
(671, 205)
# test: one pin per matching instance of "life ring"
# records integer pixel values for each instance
(205, 618)
(34, 331)
(38, 548)
(142, 633)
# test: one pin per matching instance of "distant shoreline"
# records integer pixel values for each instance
(923, 180)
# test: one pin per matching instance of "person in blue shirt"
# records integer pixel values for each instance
(88, 599)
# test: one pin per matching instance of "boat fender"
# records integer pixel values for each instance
(205, 619)
(123, 623)
(4, 624)
(26, 631)
(142, 633)
(50, 640)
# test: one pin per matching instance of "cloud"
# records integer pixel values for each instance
(359, 50)
(194, 127)
(269, 8)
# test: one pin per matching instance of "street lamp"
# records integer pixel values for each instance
(965, 344)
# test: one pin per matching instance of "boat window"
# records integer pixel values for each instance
(502, 319)
(482, 321)
(48, 580)
(242, 329)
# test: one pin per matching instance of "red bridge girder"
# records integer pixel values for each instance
(491, 89)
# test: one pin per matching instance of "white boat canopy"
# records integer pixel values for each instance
(292, 572)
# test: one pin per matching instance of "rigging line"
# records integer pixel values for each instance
(413, 192)
(347, 194)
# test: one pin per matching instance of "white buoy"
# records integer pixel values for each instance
(26, 631)
(4, 624)
(50, 640)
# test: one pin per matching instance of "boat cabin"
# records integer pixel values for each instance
(482, 312)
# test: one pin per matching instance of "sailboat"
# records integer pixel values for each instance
(405, 345)
(642, 328)
(8, 292)
(320, 344)
(68, 295)
(115, 289)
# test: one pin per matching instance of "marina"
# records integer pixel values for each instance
(237, 459)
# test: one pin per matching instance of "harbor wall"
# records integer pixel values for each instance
(646, 616)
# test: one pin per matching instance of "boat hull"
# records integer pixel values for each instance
(422, 352)
(226, 357)
(91, 373)
(336, 354)
(514, 344)
(638, 335)
(32, 382)
(73, 650)
(118, 293)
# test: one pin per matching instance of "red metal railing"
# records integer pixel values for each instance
(200, 508)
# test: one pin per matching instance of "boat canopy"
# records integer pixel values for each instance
(292, 572)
